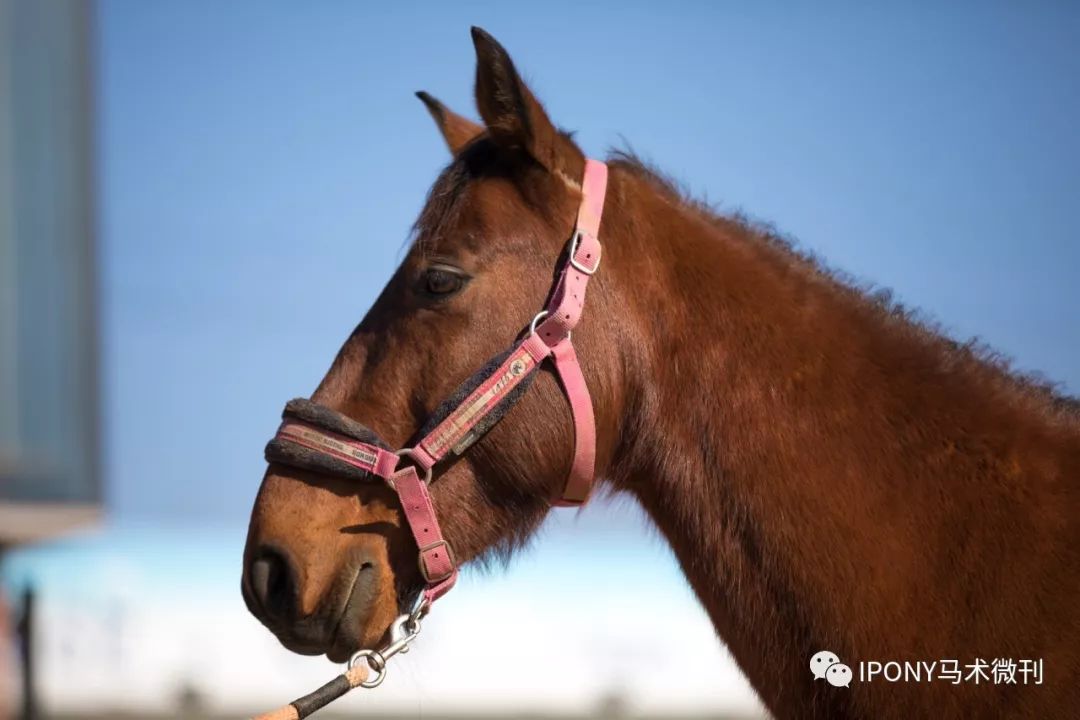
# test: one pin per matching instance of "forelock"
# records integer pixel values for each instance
(481, 158)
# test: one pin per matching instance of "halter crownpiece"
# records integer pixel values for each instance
(314, 437)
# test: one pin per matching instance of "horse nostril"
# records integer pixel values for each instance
(271, 580)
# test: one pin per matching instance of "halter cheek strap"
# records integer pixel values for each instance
(315, 437)
(563, 313)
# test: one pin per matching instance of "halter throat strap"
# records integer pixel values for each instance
(314, 437)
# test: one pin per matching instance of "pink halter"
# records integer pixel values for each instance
(316, 437)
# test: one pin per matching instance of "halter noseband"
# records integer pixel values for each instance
(314, 437)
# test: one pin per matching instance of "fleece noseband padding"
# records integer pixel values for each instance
(282, 450)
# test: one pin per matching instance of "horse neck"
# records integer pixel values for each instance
(781, 435)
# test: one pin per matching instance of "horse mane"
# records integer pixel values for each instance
(481, 158)
(972, 353)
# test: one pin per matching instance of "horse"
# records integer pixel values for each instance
(831, 473)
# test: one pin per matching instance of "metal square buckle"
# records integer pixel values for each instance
(574, 244)
(423, 566)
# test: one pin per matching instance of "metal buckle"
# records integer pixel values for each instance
(449, 554)
(411, 454)
(574, 243)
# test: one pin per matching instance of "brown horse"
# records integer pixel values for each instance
(831, 474)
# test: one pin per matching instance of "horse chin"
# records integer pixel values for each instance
(365, 620)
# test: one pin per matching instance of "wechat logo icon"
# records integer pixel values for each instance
(826, 666)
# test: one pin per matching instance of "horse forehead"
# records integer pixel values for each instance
(483, 209)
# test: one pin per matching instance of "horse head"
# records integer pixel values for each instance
(330, 562)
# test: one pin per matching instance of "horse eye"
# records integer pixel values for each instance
(442, 281)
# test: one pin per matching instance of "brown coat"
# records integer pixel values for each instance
(832, 474)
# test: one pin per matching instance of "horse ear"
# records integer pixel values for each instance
(515, 118)
(456, 130)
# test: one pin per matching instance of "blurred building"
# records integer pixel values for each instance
(49, 450)
(49, 459)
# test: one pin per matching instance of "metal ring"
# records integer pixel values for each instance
(420, 608)
(536, 321)
(411, 453)
(375, 661)
(539, 316)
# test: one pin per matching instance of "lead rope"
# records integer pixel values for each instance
(305, 706)
(359, 671)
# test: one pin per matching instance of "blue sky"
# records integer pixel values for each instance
(261, 165)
